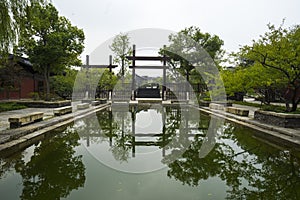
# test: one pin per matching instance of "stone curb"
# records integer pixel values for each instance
(285, 134)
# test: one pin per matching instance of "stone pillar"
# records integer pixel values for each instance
(164, 77)
(133, 74)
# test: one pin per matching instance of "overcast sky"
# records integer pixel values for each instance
(236, 22)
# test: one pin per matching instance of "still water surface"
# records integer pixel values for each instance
(151, 152)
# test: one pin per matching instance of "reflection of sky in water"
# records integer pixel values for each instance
(142, 162)
(146, 158)
(149, 121)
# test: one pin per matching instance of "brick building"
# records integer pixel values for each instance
(18, 79)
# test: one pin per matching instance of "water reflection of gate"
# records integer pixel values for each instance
(118, 127)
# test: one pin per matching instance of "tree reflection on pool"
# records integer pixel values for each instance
(151, 152)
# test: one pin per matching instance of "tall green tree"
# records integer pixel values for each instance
(62, 84)
(252, 80)
(10, 11)
(121, 48)
(50, 41)
(279, 49)
(107, 81)
(190, 47)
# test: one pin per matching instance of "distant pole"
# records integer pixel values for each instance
(87, 94)
(164, 76)
(110, 70)
(187, 86)
(133, 74)
(110, 63)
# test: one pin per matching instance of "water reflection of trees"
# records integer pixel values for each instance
(53, 170)
(181, 124)
(8, 163)
(115, 126)
(278, 171)
(250, 169)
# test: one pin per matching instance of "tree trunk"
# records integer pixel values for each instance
(295, 100)
(122, 68)
(287, 105)
(187, 84)
(294, 106)
(47, 75)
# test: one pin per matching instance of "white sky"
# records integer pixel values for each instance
(237, 22)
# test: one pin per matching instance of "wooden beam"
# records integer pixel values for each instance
(139, 135)
(147, 67)
(148, 58)
(99, 66)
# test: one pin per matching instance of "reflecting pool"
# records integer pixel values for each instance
(151, 152)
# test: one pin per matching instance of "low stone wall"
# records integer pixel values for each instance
(224, 103)
(45, 104)
(278, 119)
(147, 93)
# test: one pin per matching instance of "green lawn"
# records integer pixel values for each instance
(6, 106)
(274, 108)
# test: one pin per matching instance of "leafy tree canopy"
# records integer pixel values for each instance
(50, 41)
(10, 11)
(191, 46)
(249, 79)
(279, 50)
(62, 84)
(121, 48)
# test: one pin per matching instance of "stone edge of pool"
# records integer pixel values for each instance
(283, 136)
(14, 140)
